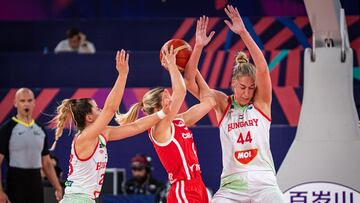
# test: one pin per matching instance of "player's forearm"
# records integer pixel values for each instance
(113, 100)
(1, 187)
(146, 122)
(255, 52)
(204, 88)
(51, 175)
(177, 81)
(192, 65)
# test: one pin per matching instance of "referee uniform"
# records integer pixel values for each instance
(23, 146)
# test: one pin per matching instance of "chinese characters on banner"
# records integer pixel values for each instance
(321, 192)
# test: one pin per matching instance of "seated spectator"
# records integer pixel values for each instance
(142, 181)
(75, 42)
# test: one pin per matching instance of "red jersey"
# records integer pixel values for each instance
(178, 155)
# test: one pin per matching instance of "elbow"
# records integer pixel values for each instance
(178, 96)
(192, 86)
(180, 90)
(188, 82)
(212, 102)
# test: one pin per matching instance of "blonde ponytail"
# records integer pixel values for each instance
(63, 114)
(150, 102)
(130, 116)
(242, 67)
(241, 58)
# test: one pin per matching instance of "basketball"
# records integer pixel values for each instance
(184, 52)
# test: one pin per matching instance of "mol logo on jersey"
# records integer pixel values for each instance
(245, 156)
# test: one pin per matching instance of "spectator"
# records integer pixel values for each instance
(23, 144)
(142, 182)
(75, 42)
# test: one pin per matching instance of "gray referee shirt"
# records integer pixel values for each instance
(23, 144)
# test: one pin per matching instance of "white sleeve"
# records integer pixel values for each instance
(91, 48)
(88, 49)
(62, 47)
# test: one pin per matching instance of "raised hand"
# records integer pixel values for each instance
(169, 57)
(201, 27)
(122, 61)
(236, 24)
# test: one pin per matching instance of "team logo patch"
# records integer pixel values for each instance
(102, 142)
(68, 183)
(245, 156)
(36, 133)
(187, 135)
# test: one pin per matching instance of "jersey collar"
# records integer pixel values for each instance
(23, 123)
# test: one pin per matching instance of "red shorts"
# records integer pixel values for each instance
(191, 191)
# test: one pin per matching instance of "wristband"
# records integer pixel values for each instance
(161, 114)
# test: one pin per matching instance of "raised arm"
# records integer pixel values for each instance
(195, 83)
(191, 70)
(196, 112)
(112, 102)
(162, 130)
(263, 94)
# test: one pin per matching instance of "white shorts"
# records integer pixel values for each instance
(259, 187)
(76, 198)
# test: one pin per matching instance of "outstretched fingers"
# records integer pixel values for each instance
(231, 12)
(120, 55)
(227, 11)
(122, 60)
(127, 57)
(171, 49)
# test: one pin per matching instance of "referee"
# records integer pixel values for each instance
(23, 144)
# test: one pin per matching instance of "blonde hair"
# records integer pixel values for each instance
(129, 116)
(70, 110)
(242, 67)
(63, 111)
(150, 101)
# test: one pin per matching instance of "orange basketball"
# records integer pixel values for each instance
(184, 52)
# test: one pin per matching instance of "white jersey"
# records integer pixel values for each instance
(86, 176)
(244, 135)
